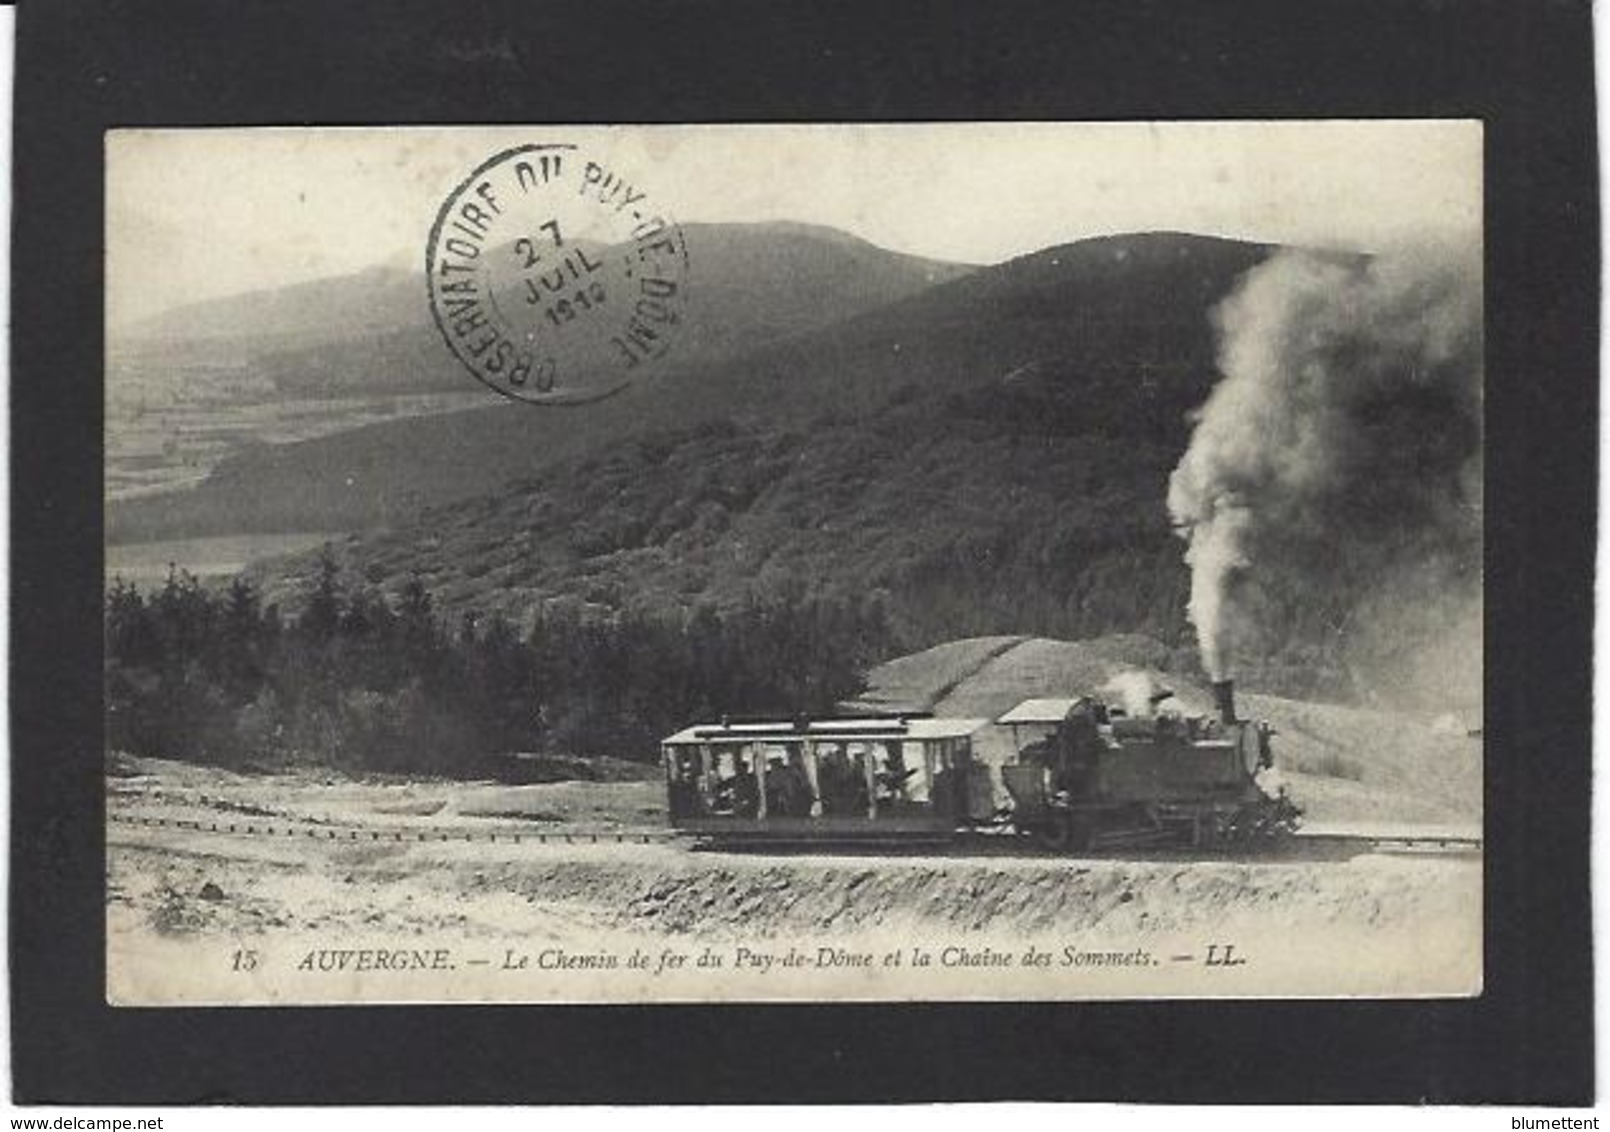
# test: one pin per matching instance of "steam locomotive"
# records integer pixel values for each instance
(1081, 775)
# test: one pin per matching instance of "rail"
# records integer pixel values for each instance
(290, 829)
(1397, 842)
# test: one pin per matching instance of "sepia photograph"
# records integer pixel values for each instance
(832, 562)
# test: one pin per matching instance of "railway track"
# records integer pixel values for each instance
(1303, 846)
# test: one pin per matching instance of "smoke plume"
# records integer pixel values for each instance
(1332, 486)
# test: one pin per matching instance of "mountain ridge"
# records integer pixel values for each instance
(388, 296)
(1085, 315)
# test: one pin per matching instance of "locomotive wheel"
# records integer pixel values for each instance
(1065, 833)
(1054, 835)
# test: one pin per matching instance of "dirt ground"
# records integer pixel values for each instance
(413, 864)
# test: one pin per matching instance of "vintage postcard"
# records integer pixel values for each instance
(636, 564)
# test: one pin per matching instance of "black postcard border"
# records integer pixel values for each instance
(1523, 66)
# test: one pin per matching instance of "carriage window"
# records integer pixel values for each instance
(945, 791)
(919, 783)
(683, 770)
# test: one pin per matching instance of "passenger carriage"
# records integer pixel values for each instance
(840, 779)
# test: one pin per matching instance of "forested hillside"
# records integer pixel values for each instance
(966, 526)
(989, 457)
(348, 678)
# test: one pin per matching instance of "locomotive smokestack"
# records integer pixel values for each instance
(1224, 696)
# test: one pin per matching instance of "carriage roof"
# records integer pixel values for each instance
(866, 729)
(1050, 710)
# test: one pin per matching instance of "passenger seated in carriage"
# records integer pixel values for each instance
(842, 783)
(736, 793)
(894, 776)
(788, 794)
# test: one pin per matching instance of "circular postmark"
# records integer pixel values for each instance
(555, 278)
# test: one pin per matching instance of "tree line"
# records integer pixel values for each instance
(360, 681)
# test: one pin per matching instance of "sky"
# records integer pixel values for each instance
(203, 213)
